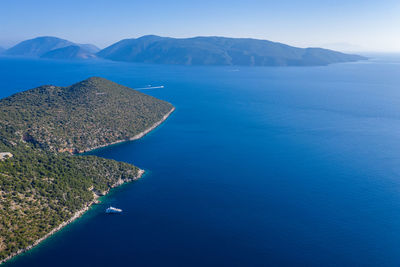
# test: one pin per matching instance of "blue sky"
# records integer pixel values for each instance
(356, 25)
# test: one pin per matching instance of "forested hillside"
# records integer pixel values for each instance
(85, 115)
(43, 185)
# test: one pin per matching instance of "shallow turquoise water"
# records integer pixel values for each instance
(257, 166)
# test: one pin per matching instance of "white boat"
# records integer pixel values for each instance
(113, 210)
(148, 87)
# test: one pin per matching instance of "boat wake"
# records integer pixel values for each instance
(149, 87)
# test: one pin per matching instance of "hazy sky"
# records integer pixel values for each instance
(358, 24)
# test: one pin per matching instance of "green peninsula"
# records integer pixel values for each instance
(43, 186)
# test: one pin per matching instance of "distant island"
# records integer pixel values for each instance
(186, 51)
(220, 51)
(43, 185)
(52, 47)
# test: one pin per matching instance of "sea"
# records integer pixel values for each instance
(258, 166)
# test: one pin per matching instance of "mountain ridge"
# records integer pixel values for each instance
(200, 50)
(215, 50)
(39, 46)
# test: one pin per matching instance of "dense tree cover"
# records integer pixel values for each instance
(39, 190)
(41, 187)
(79, 117)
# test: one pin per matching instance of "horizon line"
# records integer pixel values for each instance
(361, 50)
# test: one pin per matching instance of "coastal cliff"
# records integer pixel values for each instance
(47, 184)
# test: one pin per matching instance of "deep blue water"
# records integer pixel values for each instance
(257, 166)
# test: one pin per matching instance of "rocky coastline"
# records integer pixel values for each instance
(80, 212)
(76, 215)
(138, 136)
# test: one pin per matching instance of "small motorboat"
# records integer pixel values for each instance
(113, 210)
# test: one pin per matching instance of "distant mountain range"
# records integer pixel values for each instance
(186, 51)
(52, 47)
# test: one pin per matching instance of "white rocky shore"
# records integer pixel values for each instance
(138, 136)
